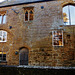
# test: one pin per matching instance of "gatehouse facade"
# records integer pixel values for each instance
(37, 32)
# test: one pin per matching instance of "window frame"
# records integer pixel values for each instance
(25, 15)
(58, 38)
(69, 14)
(4, 18)
(3, 13)
(3, 57)
(2, 36)
(30, 9)
(29, 15)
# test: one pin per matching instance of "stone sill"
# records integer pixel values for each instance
(67, 25)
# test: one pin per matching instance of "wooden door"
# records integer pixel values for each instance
(24, 56)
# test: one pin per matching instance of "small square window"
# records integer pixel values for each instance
(57, 38)
(2, 56)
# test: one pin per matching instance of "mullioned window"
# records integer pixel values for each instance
(28, 14)
(2, 17)
(2, 56)
(69, 14)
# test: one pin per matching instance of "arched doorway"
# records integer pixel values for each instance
(23, 56)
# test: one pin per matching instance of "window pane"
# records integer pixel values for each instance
(4, 55)
(0, 56)
(4, 19)
(0, 52)
(26, 16)
(0, 33)
(0, 19)
(0, 38)
(4, 33)
(66, 15)
(72, 14)
(4, 36)
(31, 15)
(4, 58)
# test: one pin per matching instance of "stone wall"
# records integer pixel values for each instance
(36, 35)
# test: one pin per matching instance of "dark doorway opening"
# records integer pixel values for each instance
(23, 56)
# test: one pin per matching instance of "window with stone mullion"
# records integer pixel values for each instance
(28, 15)
(69, 14)
(2, 19)
(2, 56)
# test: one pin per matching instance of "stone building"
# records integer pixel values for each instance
(37, 32)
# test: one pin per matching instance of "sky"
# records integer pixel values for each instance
(2, 0)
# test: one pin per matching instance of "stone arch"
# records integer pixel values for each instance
(10, 35)
(67, 3)
(7, 31)
(23, 56)
(68, 13)
(22, 48)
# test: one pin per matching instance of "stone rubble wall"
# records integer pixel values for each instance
(37, 35)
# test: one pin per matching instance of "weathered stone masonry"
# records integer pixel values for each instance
(36, 35)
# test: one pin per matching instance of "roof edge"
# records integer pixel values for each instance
(25, 3)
